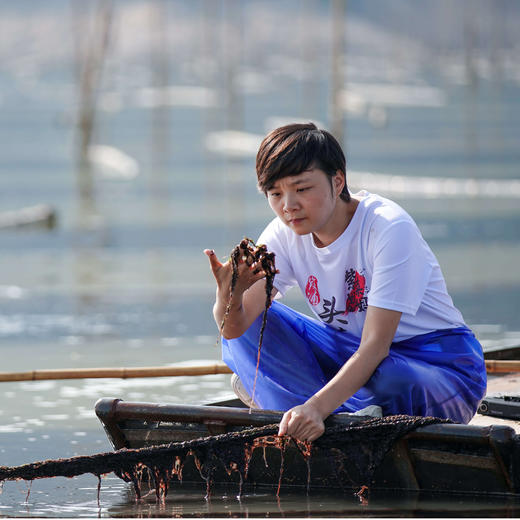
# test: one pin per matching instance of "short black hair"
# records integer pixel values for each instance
(292, 149)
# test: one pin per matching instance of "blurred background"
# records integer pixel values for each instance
(128, 135)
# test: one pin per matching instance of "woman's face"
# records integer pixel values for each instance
(307, 202)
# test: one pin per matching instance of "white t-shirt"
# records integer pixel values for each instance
(380, 259)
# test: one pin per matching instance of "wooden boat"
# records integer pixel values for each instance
(476, 458)
(503, 352)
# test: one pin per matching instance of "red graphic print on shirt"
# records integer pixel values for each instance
(356, 299)
(311, 290)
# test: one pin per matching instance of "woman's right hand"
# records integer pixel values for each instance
(247, 300)
(248, 275)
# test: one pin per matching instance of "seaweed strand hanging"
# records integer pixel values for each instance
(252, 254)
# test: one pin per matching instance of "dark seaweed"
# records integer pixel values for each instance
(356, 449)
(250, 253)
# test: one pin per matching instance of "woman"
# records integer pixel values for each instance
(387, 332)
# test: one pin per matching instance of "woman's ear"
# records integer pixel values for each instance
(339, 182)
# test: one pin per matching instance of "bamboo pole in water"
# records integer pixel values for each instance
(123, 373)
(492, 366)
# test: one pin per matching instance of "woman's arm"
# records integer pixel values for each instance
(248, 299)
(305, 422)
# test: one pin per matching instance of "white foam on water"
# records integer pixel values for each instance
(204, 340)
(38, 324)
(113, 163)
(85, 413)
(195, 362)
(210, 384)
(73, 340)
(434, 187)
(45, 404)
(11, 428)
(11, 325)
(12, 292)
(37, 386)
(190, 387)
(487, 328)
(385, 94)
(35, 422)
(93, 389)
(233, 143)
(56, 417)
(175, 95)
(498, 343)
(170, 342)
(136, 395)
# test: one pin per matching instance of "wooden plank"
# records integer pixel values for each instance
(496, 366)
(455, 459)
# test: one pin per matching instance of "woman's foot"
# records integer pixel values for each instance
(241, 392)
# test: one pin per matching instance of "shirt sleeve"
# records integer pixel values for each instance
(275, 239)
(402, 268)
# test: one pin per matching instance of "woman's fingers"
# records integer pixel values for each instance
(282, 428)
(301, 423)
(302, 427)
(214, 262)
(244, 264)
(247, 274)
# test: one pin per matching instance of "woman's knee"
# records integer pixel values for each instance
(396, 376)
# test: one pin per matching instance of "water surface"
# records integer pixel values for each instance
(122, 281)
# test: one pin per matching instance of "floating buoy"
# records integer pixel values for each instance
(41, 215)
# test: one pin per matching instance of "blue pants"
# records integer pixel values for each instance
(439, 374)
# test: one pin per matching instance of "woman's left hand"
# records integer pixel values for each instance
(303, 422)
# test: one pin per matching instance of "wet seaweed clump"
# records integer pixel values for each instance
(354, 451)
(253, 255)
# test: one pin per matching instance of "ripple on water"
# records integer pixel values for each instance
(91, 388)
(85, 413)
(45, 404)
(56, 417)
(35, 422)
(12, 292)
(37, 386)
(189, 387)
(211, 384)
(136, 395)
(11, 428)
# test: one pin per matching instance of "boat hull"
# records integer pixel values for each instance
(438, 457)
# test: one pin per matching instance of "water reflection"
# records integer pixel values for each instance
(184, 501)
